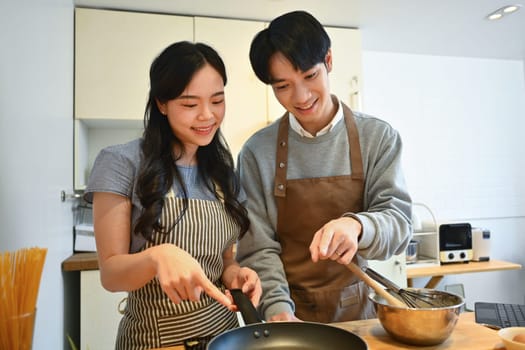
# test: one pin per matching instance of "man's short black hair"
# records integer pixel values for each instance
(297, 35)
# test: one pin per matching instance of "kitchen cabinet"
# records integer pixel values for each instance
(111, 76)
(394, 269)
(246, 108)
(113, 53)
(346, 75)
(99, 312)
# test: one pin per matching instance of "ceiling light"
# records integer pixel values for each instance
(511, 8)
(499, 13)
(495, 16)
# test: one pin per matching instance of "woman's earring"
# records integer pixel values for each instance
(161, 107)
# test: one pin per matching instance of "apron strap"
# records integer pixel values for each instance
(356, 159)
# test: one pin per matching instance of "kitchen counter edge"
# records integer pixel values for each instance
(81, 262)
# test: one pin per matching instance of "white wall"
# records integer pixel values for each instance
(462, 121)
(36, 129)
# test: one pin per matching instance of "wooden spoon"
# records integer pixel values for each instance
(375, 285)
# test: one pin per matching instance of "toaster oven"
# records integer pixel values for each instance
(455, 243)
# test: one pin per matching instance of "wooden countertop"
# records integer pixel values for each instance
(81, 262)
(467, 335)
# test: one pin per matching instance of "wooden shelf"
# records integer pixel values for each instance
(457, 268)
(439, 271)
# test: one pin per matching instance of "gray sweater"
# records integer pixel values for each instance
(387, 205)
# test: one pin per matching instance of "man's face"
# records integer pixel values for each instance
(304, 94)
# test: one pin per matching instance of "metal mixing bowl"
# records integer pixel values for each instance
(420, 326)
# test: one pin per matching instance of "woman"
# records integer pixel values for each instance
(167, 209)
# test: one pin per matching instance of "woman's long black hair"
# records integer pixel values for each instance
(170, 73)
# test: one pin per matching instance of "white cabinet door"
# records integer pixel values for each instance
(394, 269)
(346, 75)
(99, 315)
(113, 53)
(246, 110)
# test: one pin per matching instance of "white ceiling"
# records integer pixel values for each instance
(434, 27)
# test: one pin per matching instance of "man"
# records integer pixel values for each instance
(324, 185)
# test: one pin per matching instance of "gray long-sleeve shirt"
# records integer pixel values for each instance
(387, 205)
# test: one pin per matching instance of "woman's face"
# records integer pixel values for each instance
(195, 116)
(304, 94)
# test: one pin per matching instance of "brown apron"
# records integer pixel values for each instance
(325, 291)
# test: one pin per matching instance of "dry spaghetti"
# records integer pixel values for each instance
(20, 274)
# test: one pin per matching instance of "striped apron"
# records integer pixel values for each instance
(150, 319)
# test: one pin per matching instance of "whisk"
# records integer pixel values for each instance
(376, 286)
(414, 298)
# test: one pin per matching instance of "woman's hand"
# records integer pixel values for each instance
(243, 278)
(248, 281)
(181, 277)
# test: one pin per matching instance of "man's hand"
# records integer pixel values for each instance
(336, 240)
(284, 317)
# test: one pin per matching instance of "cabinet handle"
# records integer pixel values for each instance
(74, 195)
(354, 94)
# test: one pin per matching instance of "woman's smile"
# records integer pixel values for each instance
(204, 130)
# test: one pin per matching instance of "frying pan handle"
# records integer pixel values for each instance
(248, 311)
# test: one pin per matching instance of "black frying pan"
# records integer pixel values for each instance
(257, 335)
